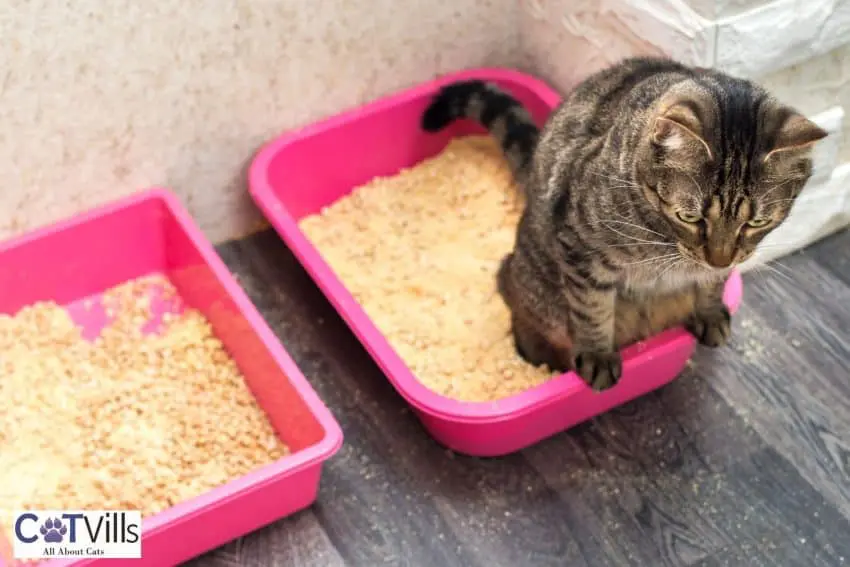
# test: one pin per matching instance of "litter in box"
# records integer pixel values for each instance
(140, 409)
(419, 255)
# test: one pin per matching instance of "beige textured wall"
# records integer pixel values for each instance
(99, 99)
(563, 41)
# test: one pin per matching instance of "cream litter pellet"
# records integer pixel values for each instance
(128, 421)
(419, 250)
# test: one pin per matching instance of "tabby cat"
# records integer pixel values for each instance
(645, 187)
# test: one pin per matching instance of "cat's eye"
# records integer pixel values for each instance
(758, 223)
(689, 218)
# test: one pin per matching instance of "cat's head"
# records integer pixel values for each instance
(723, 162)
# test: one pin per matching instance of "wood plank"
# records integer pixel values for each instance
(718, 434)
(635, 506)
(569, 462)
(808, 309)
(833, 254)
(807, 527)
(298, 541)
(749, 556)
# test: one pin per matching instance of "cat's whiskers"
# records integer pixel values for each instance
(622, 216)
(626, 218)
(777, 265)
(625, 182)
(632, 224)
(786, 244)
(628, 244)
(654, 259)
(669, 265)
(629, 236)
(772, 269)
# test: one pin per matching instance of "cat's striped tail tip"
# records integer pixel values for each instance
(449, 104)
(438, 114)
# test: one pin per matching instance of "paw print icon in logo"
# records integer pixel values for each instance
(53, 530)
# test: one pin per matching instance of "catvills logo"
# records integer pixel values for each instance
(78, 533)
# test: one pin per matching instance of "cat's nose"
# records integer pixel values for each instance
(719, 257)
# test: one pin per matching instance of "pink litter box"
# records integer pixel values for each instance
(73, 262)
(303, 171)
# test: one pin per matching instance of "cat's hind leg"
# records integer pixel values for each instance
(531, 343)
(533, 347)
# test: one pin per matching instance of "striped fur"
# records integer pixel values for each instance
(502, 115)
(646, 186)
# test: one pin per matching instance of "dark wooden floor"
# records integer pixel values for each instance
(742, 461)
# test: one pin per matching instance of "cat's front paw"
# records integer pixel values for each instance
(601, 370)
(711, 327)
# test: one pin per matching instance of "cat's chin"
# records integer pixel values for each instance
(714, 270)
(724, 271)
(705, 272)
(719, 272)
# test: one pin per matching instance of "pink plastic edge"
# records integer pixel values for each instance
(414, 392)
(308, 457)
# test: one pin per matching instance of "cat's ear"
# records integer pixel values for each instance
(796, 135)
(678, 130)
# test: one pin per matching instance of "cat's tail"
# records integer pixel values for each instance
(504, 117)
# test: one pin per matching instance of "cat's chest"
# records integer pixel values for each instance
(657, 279)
